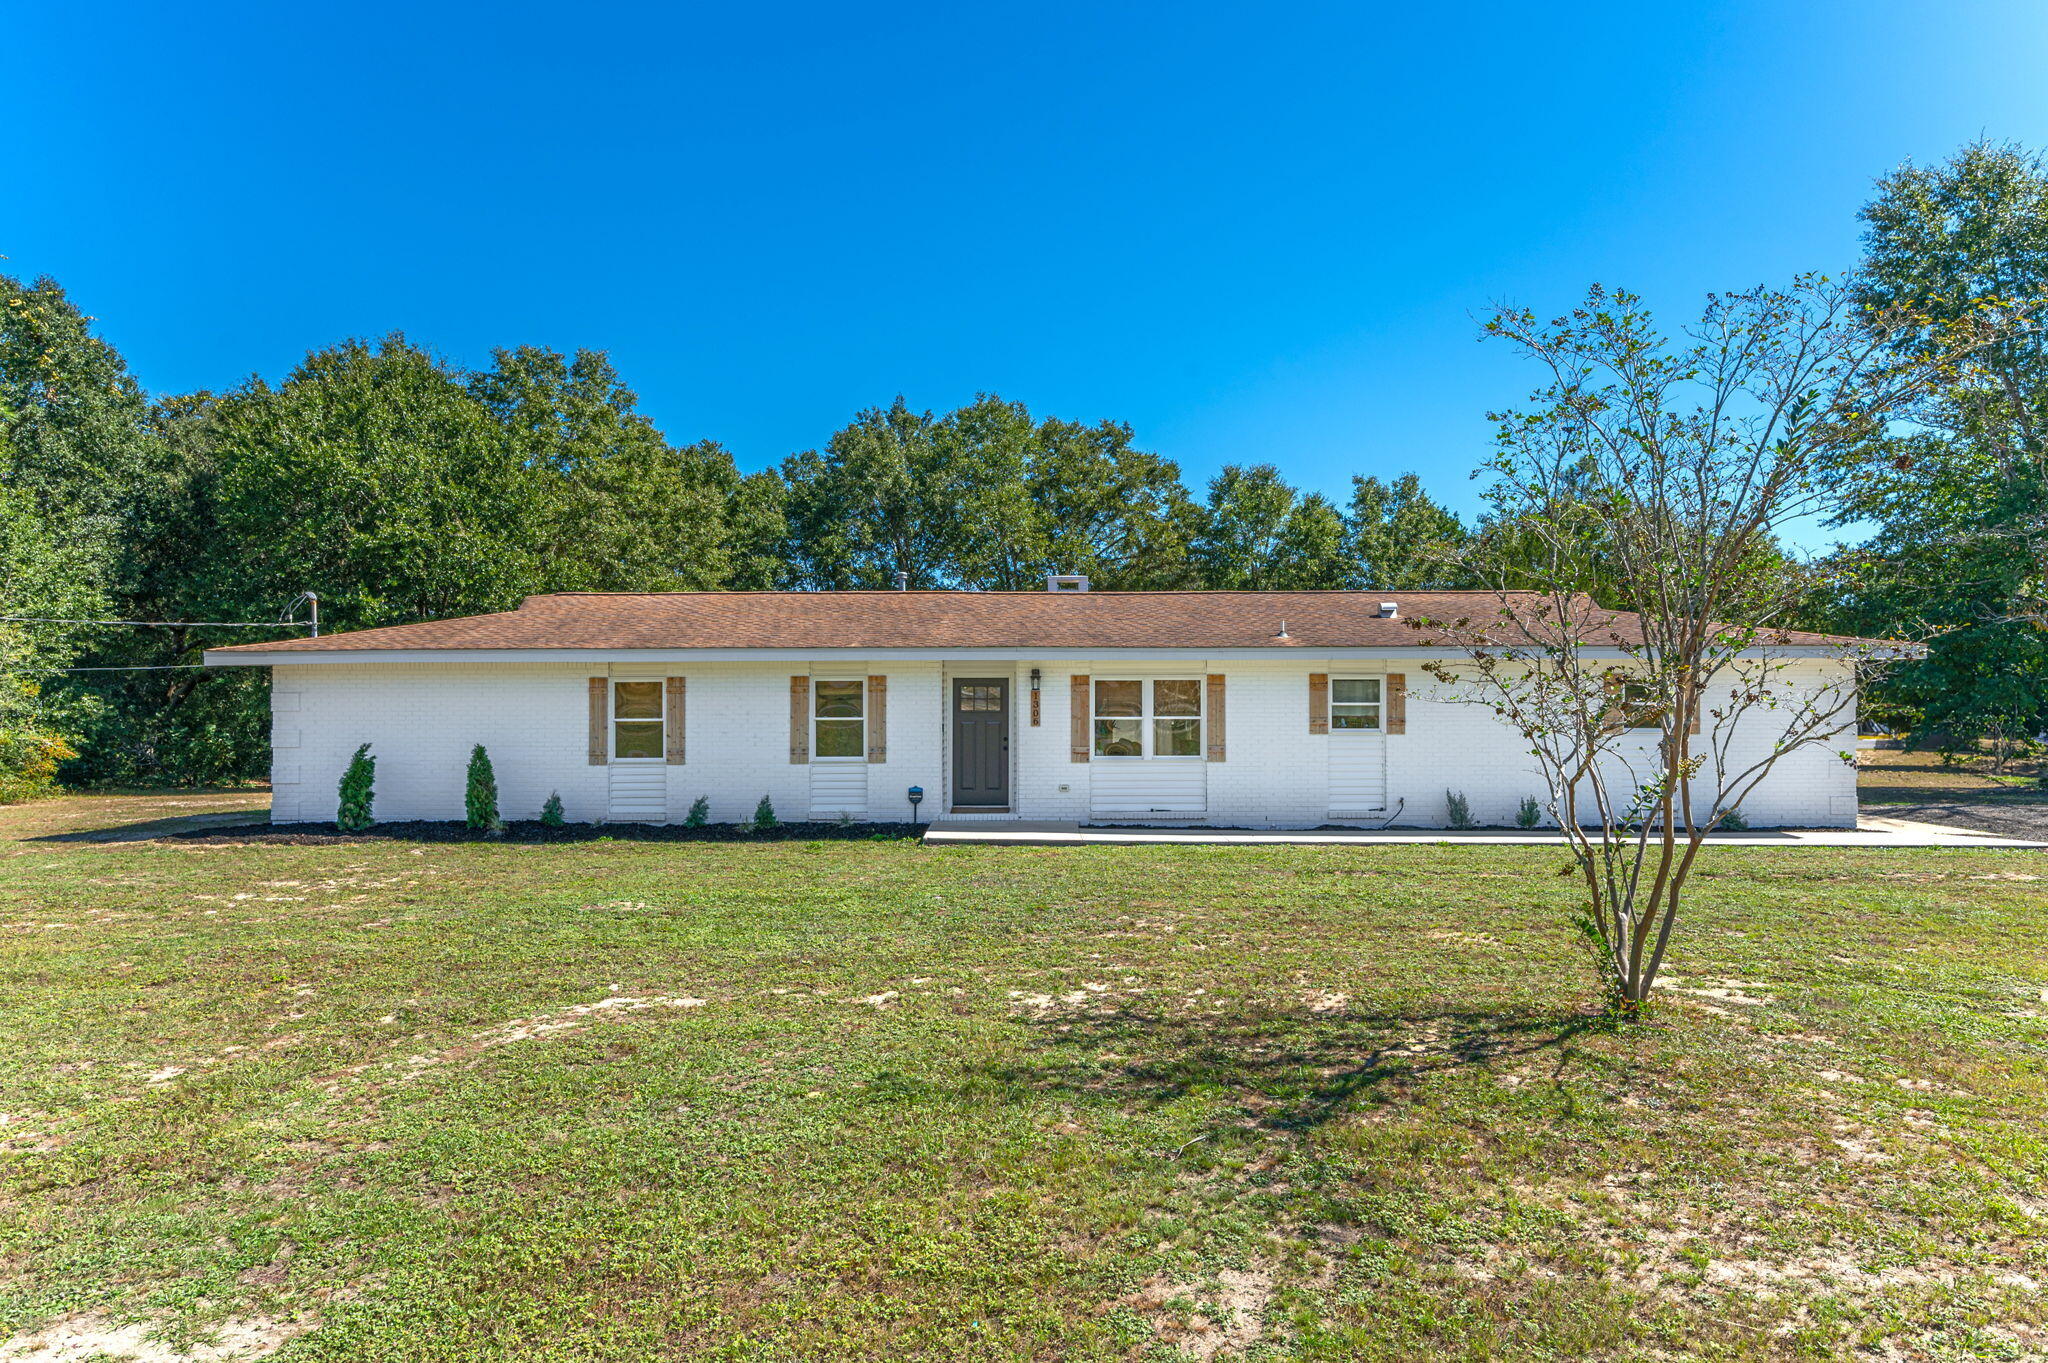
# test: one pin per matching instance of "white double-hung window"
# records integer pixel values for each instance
(839, 719)
(1148, 717)
(637, 720)
(1355, 703)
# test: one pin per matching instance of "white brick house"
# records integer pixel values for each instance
(1261, 709)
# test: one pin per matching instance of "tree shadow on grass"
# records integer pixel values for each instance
(1286, 1069)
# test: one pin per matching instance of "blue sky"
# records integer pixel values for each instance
(1257, 233)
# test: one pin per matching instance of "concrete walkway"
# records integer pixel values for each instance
(1870, 832)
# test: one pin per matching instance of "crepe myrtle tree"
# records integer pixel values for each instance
(1655, 474)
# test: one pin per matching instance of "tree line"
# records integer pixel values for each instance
(402, 487)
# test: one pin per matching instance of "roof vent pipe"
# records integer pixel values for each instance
(1390, 610)
(902, 579)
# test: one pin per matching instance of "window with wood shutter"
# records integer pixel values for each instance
(675, 721)
(600, 719)
(1638, 704)
(799, 720)
(840, 726)
(1319, 702)
(1077, 718)
(1396, 711)
(1148, 717)
(1216, 749)
(1355, 703)
(878, 719)
(637, 721)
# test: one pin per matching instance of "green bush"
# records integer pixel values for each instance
(700, 812)
(1459, 808)
(764, 815)
(480, 801)
(1530, 814)
(551, 812)
(28, 763)
(358, 792)
(1733, 822)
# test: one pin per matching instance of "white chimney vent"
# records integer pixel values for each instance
(1390, 610)
(1066, 582)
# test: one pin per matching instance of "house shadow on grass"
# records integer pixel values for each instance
(1286, 1070)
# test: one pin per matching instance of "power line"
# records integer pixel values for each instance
(161, 624)
(151, 667)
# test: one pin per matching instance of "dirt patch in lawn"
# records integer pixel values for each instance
(97, 1336)
(533, 831)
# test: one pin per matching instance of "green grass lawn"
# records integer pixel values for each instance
(861, 1100)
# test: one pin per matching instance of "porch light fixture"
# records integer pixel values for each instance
(1034, 679)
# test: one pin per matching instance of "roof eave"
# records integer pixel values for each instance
(308, 657)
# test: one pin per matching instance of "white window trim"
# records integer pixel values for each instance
(660, 716)
(860, 684)
(1145, 717)
(1378, 707)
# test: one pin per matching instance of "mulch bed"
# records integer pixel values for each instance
(532, 830)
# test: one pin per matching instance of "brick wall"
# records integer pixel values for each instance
(422, 718)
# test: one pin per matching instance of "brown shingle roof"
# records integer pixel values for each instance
(936, 620)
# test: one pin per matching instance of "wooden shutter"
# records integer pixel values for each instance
(673, 729)
(799, 720)
(600, 713)
(1319, 702)
(1613, 718)
(878, 719)
(1397, 703)
(1215, 716)
(1077, 720)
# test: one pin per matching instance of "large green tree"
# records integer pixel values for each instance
(1402, 539)
(1960, 554)
(1243, 522)
(77, 453)
(983, 497)
(869, 505)
(619, 508)
(1312, 553)
(373, 475)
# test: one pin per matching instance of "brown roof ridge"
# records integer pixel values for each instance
(1040, 591)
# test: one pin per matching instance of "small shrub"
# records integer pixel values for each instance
(551, 812)
(1459, 808)
(1733, 822)
(700, 813)
(1529, 814)
(358, 792)
(764, 815)
(480, 801)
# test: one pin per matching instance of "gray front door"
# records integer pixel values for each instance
(981, 742)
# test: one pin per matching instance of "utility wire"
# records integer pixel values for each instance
(165, 624)
(152, 667)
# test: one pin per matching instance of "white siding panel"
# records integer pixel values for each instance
(1358, 773)
(638, 792)
(839, 787)
(1135, 787)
